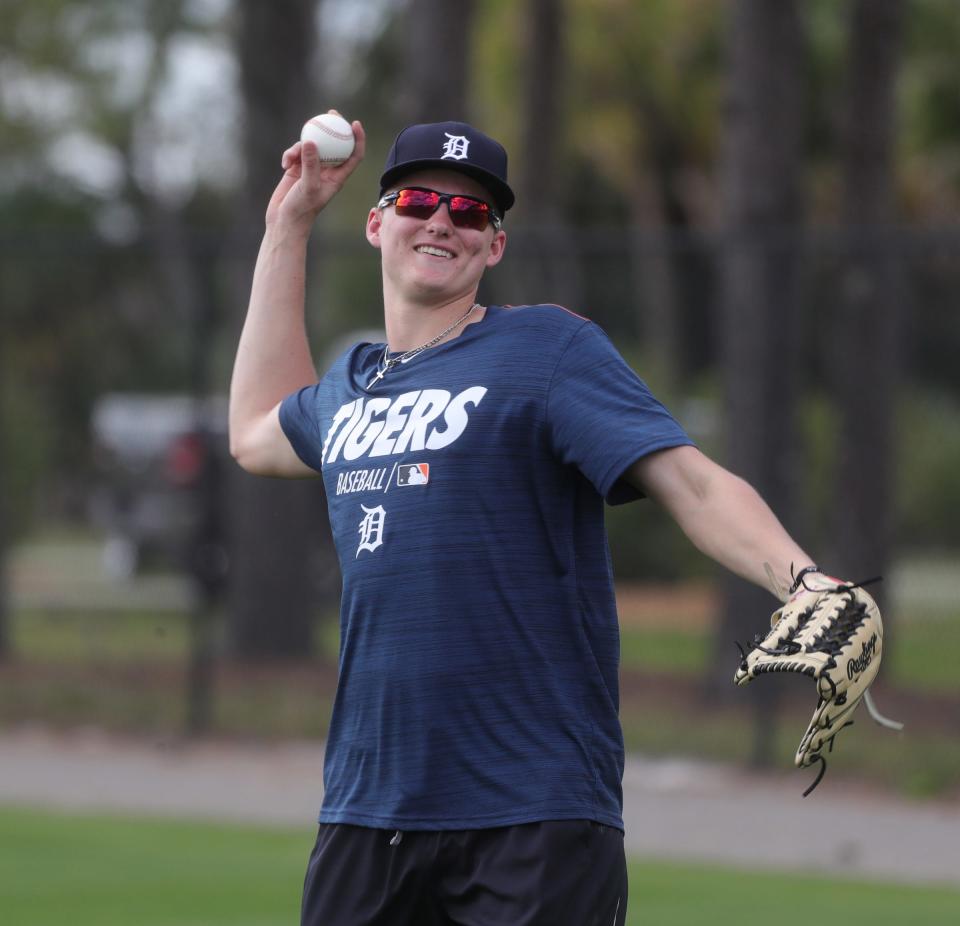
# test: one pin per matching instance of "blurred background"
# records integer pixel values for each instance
(757, 201)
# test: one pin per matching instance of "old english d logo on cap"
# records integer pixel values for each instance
(455, 146)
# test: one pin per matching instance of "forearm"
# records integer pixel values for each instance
(734, 526)
(273, 357)
(722, 515)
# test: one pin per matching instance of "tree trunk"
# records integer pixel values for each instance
(551, 268)
(651, 263)
(657, 211)
(277, 525)
(759, 269)
(437, 62)
(5, 652)
(867, 324)
(541, 138)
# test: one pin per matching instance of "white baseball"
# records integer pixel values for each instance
(333, 137)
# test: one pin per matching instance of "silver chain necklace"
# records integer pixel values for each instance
(386, 363)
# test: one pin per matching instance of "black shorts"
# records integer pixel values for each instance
(557, 873)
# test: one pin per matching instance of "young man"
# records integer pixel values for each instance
(474, 763)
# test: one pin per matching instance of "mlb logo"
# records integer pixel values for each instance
(413, 474)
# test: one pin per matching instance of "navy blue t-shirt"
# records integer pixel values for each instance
(479, 643)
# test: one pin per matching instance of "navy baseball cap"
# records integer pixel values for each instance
(455, 145)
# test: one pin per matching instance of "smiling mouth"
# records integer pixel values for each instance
(436, 252)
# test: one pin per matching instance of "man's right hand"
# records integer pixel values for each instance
(307, 184)
(273, 356)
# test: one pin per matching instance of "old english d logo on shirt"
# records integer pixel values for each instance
(371, 528)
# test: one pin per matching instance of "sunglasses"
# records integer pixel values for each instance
(465, 211)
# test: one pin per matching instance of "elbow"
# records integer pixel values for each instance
(235, 440)
(238, 454)
(241, 457)
(256, 457)
(259, 446)
(243, 452)
(242, 438)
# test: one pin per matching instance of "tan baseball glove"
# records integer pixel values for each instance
(831, 631)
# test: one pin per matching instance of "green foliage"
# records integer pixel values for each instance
(922, 652)
(930, 107)
(89, 305)
(646, 543)
(72, 638)
(345, 293)
(818, 424)
(927, 449)
(661, 651)
(928, 497)
(921, 762)
(647, 84)
(497, 78)
(81, 664)
(640, 93)
(81, 314)
(26, 451)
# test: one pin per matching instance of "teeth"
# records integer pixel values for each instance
(436, 252)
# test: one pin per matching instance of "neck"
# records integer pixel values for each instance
(409, 326)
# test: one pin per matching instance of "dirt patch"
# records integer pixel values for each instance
(687, 605)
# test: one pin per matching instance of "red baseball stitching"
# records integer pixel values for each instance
(340, 136)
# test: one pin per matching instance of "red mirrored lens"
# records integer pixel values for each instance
(465, 212)
(420, 204)
(469, 213)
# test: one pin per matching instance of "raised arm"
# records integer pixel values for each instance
(721, 514)
(273, 357)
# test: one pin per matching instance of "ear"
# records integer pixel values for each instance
(497, 246)
(374, 223)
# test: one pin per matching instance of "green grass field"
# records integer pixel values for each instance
(125, 671)
(922, 653)
(91, 870)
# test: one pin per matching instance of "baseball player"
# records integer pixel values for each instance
(474, 761)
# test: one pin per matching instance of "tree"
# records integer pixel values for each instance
(276, 531)
(760, 170)
(4, 595)
(520, 88)
(552, 268)
(643, 112)
(100, 322)
(437, 62)
(868, 305)
(542, 140)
